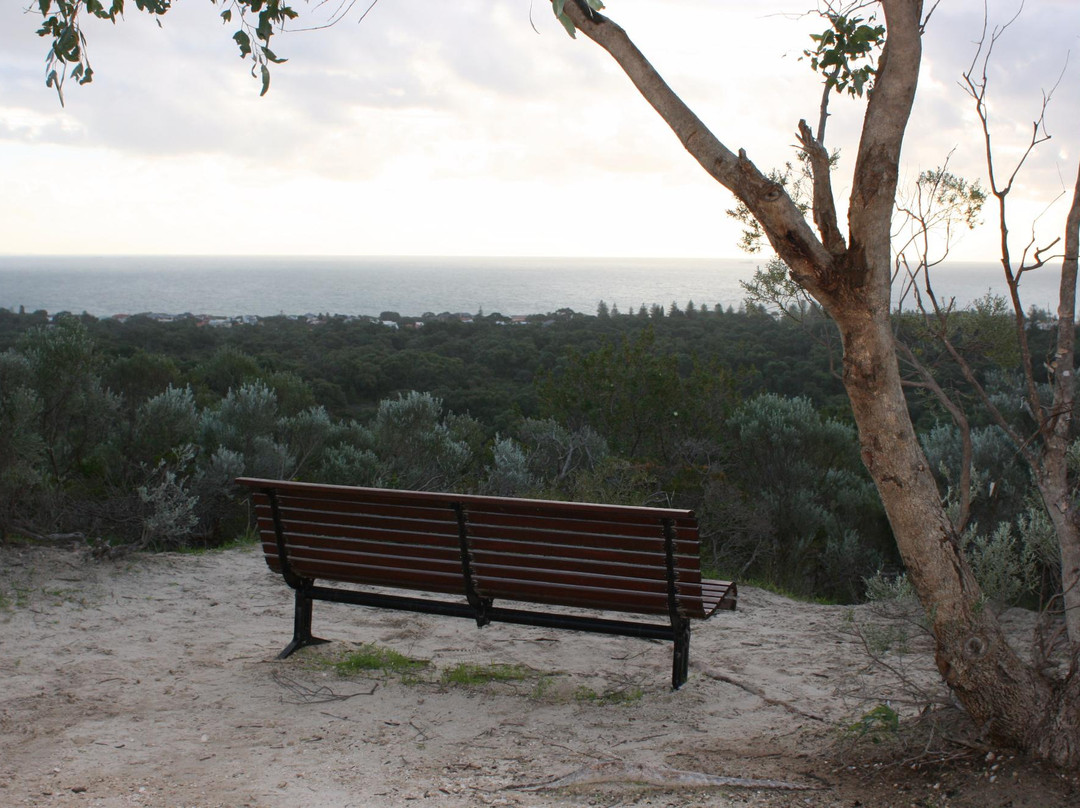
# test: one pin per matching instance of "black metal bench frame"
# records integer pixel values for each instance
(483, 610)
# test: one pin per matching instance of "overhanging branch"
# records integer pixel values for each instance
(788, 231)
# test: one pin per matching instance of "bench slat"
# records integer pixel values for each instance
(416, 552)
(384, 496)
(375, 574)
(648, 527)
(372, 510)
(299, 553)
(435, 545)
(538, 536)
(558, 594)
(617, 562)
(636, 579)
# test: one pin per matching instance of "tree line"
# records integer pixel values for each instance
(130, 434)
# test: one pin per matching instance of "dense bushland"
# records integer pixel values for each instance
(129, 434)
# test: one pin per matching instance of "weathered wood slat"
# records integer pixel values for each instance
(611, 562)
(345, 533)
(344, 493)
(645, 544)
(417, 553)
(380, 575)
(360, 511)
(647, 528)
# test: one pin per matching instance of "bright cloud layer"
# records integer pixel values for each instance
(439, 128)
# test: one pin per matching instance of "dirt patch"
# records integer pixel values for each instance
(152, 681)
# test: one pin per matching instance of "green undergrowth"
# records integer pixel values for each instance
(712, 573)
(541, 686)
(371, 657)
(626, 695)
(876, 725)
(468, 674)
(776, 589)
(244, 540)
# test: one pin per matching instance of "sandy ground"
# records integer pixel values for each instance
(152, 681)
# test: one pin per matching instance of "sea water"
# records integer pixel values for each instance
(264, 286)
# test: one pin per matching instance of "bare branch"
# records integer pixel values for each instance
(889, 106)
(824, 203)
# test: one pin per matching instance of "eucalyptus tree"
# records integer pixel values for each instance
(849, 275)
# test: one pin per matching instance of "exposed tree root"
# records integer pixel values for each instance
(617, 771)
(712, 673)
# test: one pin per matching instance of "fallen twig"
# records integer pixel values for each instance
(317, 695)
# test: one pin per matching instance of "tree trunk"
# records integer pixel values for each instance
(1057, 491)
(1006, 697)
(1002, 694)
(1053, 487)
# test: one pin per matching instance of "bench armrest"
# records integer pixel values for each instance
(718, 595)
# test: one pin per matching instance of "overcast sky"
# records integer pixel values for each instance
(437, 128)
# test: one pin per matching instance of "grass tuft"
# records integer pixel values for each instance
(371, 657)
(468, 673)
(627, 695)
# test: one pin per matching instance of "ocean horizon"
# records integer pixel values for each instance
(104, 286)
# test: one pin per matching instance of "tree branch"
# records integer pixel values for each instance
(787, 229)
(877, 164)
(824, 204)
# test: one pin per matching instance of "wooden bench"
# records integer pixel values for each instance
(631, 560)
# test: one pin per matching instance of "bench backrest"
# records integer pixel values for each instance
(574, 554)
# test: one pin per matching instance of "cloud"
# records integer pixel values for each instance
(464, 114)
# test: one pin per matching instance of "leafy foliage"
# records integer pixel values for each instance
(839, 50)
(61, 24)
(613, 409)
(826, 526)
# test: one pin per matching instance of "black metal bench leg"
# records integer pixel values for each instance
(301, 626)
(680, 663)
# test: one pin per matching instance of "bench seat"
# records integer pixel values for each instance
(485, 551)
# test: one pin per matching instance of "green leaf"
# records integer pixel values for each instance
(244, 41)
(271, 56)
(265, 79)
(227, 15)
(558, 6)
